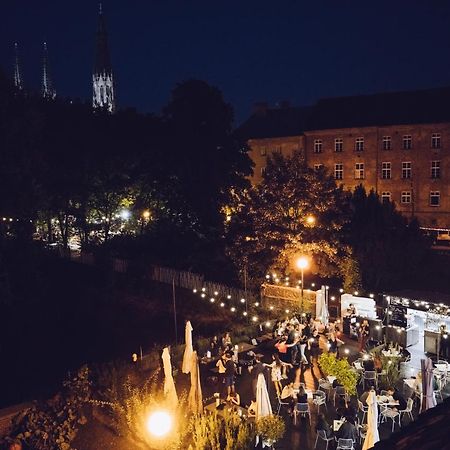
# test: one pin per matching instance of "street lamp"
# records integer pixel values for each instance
(310, 220)
(302, 264)
(159, 423)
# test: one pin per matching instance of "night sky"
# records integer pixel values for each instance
(252, 50)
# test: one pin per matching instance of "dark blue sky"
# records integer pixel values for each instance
(252, 50)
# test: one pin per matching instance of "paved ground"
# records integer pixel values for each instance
(303, 434)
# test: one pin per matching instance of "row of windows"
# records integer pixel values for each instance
(386, 143)
(406, 197)
(386, 170)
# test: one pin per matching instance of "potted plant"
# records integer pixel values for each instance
(271, 429)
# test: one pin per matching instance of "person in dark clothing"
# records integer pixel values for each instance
(369, 364)
(314, 348)
(364, 332)
(395, 394)
(348, 430)
(230, 369)
(323, 425)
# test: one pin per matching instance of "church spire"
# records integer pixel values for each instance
(17, 72)
(102, 78)
(47, 89)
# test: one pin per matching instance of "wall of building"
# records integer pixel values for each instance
(416, 184)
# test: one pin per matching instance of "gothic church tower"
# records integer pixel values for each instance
(102, 78)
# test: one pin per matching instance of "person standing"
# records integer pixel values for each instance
(333, 343)
(364, 331)
(276, 371)
(314, 348)
(256, 369)
(230, 369)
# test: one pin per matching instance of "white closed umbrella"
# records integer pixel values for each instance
(187, 357)
(263, 406)
(169, 386)
(429, 401)
(372, 435)
(195, 400)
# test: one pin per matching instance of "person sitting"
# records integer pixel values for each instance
(226, 342)
(252, 409)
(395, 394)
(369, 364)
(302, 396)
(348, 430)
(288, 391)
(323, 425)
(234, 398)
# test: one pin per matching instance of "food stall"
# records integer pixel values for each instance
(419, 322)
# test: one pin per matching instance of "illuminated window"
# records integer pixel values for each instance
(338, 145)
(387, 143)
(263, 151)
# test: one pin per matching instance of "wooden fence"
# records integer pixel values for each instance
(180, 278)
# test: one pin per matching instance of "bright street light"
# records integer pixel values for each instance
(310, 220)
(159, 423)
(302, 264)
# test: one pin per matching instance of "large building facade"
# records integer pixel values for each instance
(397, 144)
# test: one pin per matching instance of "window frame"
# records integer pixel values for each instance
(435, 172)
(403, 195)
(386, 195)
(338, 145)
(435, 194)
(318, 146)
(406, 171)
(436, 142)
(386, 172)
(386, 143)
(407, 138)
(339, 170)
(359, 144)
(359, 171)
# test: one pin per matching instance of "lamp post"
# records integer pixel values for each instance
(302, 264)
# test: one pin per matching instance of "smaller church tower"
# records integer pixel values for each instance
(17, 72)
(102, 78)
(47, 90)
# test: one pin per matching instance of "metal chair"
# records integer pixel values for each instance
(362, 432)
(322, 435)
(407, 410)
(320, 398)
(303, 410)
(280, 404)
(363, 409)
(345, 444)
(325, 386)
(370, 376)
(389, 413)
(339, 392)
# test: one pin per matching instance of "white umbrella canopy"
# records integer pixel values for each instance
(372, 436)
(169, 385)
(187, 357)
(263, 406)
(195, 400)
(429, 401)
